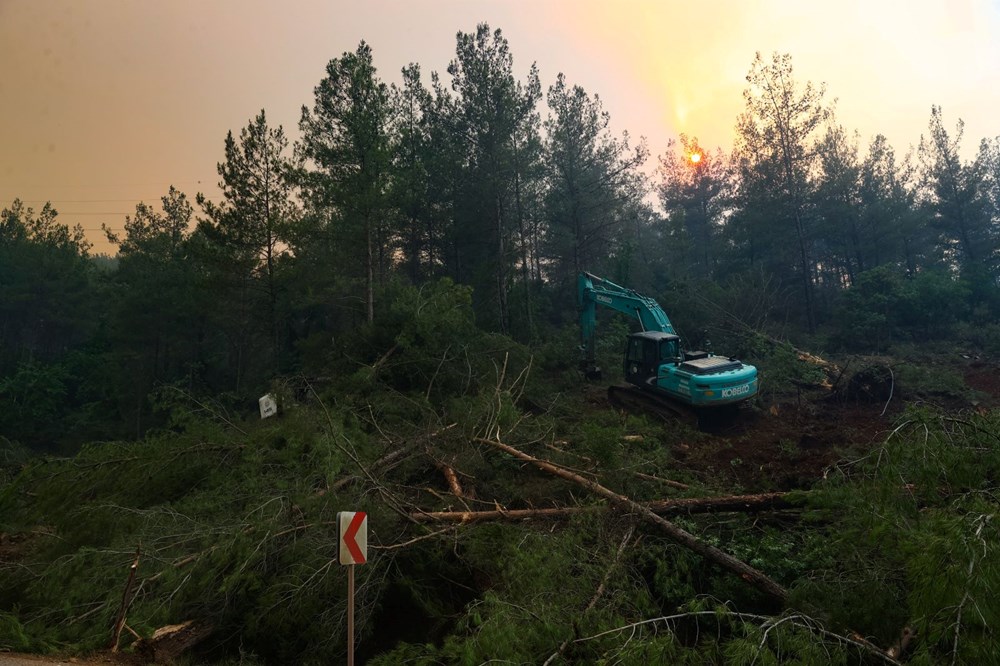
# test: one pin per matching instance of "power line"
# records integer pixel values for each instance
(82, 186)
(76, 201)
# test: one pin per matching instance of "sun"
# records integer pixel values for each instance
(695, 158)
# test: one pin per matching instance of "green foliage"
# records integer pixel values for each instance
(981, 336)
(958, 193)
(866, 316)
(492, 127)
(918, 514)
(347, 148)
(931, 302)
(47, 293)
(603, 443)
(593, 182)
(13, 456)
(781, 370)
(883, 306)
(12, 635)
(230, 523)
(433, 336)
(539, 582)
(930, 381)
(34, 395)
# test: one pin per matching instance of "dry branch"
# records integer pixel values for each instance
(733, 503)
(756, 578)
(666, 482)
(385, 357)
(385, 463)
(116, 631)
(797, 620)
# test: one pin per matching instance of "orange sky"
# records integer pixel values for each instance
(108, 102)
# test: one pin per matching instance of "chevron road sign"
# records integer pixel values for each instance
(352, 546)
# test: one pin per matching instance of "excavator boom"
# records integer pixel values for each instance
(593, 291)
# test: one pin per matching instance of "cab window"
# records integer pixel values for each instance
(634, 350)
(668, 350)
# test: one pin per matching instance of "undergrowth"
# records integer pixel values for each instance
(233, 517)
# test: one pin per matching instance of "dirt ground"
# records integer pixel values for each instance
(796, 441)
(787, 447)
(12, 659)
(984, 376)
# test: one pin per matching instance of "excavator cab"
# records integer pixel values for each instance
(644, 354)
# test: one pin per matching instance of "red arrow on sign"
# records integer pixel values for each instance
(351, 533)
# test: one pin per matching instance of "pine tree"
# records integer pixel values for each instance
(347, 149)
(490, 120)
(246, 235)
(776, 158)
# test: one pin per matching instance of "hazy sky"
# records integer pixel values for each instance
(107, 102)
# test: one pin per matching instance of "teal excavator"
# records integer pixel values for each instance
(654, 361)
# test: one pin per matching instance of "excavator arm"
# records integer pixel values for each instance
(593, 290)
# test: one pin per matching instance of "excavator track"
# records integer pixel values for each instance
(634, 400)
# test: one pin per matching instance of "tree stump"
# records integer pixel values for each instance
(169, 642)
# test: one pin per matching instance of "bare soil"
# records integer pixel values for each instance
(14, 659)
(789, 446)
(984, 376)
(794, 443)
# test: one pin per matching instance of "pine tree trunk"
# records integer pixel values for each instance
(731, 503)
(369, 272)
(525, 266)
(501, 272)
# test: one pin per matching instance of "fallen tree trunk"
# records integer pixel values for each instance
(168, 643)
(730, 503)
(756, 578)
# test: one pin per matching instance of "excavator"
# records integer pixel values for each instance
(662, 376)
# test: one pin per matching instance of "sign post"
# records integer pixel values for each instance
(352, 548)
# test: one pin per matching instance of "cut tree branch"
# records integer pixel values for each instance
(667, 482)
(730, 503)
(744, 571)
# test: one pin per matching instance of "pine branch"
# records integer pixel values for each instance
(597, 593)
(798, 620)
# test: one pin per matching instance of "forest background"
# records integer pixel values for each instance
(415, 252)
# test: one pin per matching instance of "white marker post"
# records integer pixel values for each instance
(352, 548)
(268, 406)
